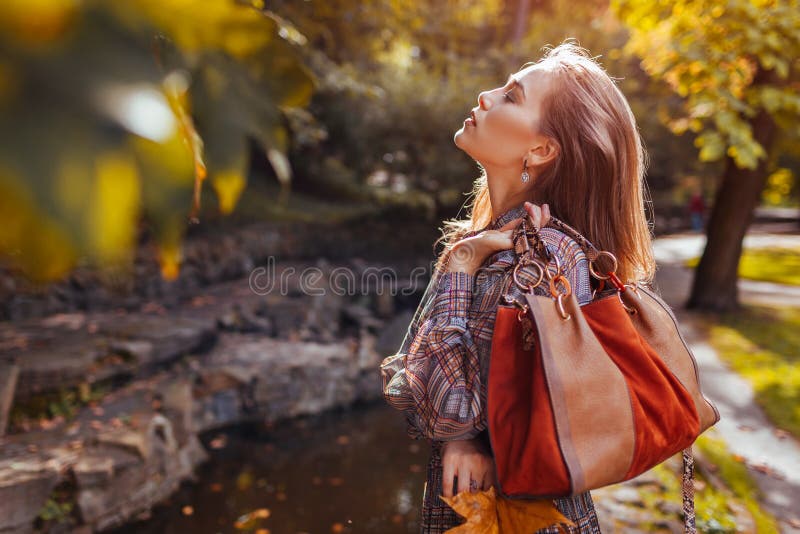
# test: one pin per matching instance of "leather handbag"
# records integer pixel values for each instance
(584, 396)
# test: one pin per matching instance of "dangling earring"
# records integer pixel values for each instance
(525, 175)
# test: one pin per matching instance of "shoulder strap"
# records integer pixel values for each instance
(588, 248)
(688, 491)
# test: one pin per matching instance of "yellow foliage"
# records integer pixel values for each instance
(236, 28)
(488, 513)
(228, 185)
(32, 239)
(35, 23)
(170, 253)
(113, 211)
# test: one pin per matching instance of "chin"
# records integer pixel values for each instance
(460, 142)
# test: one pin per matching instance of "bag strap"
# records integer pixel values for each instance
(588, 248)
(688, 491)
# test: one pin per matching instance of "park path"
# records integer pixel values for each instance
(743, 424)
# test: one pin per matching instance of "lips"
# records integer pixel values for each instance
(472, 115)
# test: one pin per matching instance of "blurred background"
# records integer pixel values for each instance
(185, 187)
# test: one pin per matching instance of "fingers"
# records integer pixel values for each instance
(463, 481)
(539, 215)
(510, 225)
(448, 472)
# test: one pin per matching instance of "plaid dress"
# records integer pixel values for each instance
(437, 377)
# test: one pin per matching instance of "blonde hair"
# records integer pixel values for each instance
(596, 183)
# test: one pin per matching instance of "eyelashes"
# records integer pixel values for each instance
(506, 95)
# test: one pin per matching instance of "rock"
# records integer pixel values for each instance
(392, 335)
(628, 495)
(9, 373)
(127, 439)
(25, 485)
(648, 478)
(161, 463)
(361, 316)
(670, 507)
(384, 304)
(93, 470)
(169, 338)
(61, 357)
(133, 449)
(140, 350)
(239, 319)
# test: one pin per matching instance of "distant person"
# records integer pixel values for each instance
(697, 211)
(558, 136)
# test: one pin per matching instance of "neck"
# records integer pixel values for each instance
(506, 189)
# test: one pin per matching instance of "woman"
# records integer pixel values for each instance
(560, 135)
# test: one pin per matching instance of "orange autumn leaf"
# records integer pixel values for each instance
(486, 513)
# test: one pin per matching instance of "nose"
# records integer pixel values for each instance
(483, 100)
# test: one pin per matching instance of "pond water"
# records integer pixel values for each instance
(353, 470)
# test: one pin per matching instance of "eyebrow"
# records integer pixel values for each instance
(516, 82)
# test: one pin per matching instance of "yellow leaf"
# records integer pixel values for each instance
(486, 513)
(228, 184)
(112, 213)
(480, 510)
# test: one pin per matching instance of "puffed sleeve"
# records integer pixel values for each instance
(435, 377)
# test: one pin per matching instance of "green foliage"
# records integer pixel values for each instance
(114, 110)
(734, 473)
(781, 188)
(65, 402)
(728, 61)
(763, 345)
(711, 503)
(57, 512)
(770, 264)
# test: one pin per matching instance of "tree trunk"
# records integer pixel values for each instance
(520, 24)
(715, 282)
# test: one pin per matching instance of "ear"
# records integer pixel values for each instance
(543, 152)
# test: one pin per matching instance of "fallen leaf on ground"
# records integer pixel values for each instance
(780, 433)
(488, 513)
(767, 470)
(249, 520)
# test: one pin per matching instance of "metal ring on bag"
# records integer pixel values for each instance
(554, 289)
(528, 261)
(632, 311)
(635, 289)
(550, 275)
(613, 259)
(560, 296)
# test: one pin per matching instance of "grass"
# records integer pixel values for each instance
(712, 508)
(762, 344)
(717, 506)
(770, 264)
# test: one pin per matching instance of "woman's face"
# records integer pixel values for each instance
(504, 129)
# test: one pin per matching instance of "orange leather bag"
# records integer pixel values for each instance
(580, 397)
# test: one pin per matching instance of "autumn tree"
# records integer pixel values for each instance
(111, 111)
(735, 65)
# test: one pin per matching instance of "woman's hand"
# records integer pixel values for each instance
(539, 216)
(467, 459)
(470, 253)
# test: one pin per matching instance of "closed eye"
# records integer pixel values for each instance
(506, 95)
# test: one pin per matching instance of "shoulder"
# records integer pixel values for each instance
(574, 262)
(564, 245)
